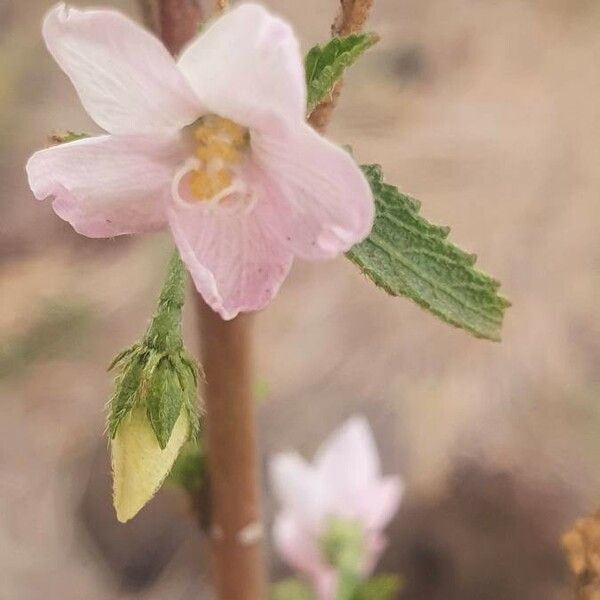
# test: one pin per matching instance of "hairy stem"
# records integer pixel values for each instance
(164, 332)
(351, 18)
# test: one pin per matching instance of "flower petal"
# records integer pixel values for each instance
(348, 460)
(125, 77)
(139, 464)
(107, 185)
(236, 264)
(382, 502)
(299, 549)
(300, 490)
(247, 66)
(322, 202)
(376, 543)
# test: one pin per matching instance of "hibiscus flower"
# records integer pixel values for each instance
(343, 485)
(213, 146)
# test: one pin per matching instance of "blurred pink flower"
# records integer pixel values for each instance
(344, 482)
(214, 145)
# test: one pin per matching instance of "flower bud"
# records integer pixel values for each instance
(153, 411)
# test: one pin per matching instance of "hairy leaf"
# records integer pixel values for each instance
(325, 64)
(406, 255)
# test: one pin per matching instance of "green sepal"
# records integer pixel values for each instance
(127, 386)
(189, 375)
(164, 400)
(379, 587)
(292, 589)
(343, 545)
(189, 470)
(406, 255)
(325, 64)
(158, 373)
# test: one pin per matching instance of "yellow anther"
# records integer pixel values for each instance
(205, 186)
(218, 149)
(220, 142)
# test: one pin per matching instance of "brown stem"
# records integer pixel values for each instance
(351, 18)
(236, 528)
(179, 20)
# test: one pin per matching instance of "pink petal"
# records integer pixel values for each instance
(298, 549)
(108, 185)
(247, 66)
(300, 490)
(236, 264)
(322, 204)
(375, 545)
(382, 502)
(325, 583)
(125, 77)
(348, 461)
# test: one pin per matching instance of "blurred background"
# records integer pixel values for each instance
(486, 110)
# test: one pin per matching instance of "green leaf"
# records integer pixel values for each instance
(158, 373)
(164, 400)
(292, 589)
(325, 64)
(406, 255)
(380, 587)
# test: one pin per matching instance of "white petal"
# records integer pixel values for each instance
(296, 546)
(125, 77)
(300, 490)
(348, 459)
(322, 204)
(247, 66)
(382, 501)
(108, 185)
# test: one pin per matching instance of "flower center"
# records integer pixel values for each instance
(220, 145)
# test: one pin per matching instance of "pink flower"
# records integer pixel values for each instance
(343, 483)
(214, 145)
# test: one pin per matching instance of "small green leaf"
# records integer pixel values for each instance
(164, 400)
(380, 587)
(406, 255)
(292, 589)
(325, 64)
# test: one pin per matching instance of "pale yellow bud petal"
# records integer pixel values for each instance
(139, 465)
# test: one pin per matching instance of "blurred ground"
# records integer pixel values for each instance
(485, 110)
